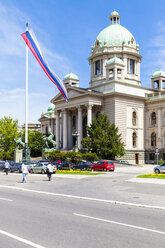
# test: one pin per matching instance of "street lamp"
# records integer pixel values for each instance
(75, 134)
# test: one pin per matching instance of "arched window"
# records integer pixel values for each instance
(134, 138)
(153, 139)
(153, 118)
(134, 118)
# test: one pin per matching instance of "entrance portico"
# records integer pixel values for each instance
(69, 120)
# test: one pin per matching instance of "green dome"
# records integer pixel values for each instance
(115, 35)
(51, 107)
(71, 76)
(114, 60)
(158, 73)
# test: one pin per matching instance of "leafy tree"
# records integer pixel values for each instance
(103, 138)
(35, 142)
(8, 132)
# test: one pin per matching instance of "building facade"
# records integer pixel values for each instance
(115, 89)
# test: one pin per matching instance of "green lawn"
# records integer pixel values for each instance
(77, 172)
(158, 176)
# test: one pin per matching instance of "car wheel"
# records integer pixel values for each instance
(42, 171)
(20, 171)
(93, 169)
(105, 169)
(157, 171)
(31, 171)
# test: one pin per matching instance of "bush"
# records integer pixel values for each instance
(161, 161)
(90, 156)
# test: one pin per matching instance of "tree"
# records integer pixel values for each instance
(103, 138)
(8, 132)
(35, 142)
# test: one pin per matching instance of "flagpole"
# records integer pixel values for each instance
(26, 103)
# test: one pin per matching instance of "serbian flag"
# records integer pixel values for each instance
(33, 44)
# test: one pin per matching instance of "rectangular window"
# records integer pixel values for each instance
(132, 66)
(163, 156)
(97, 67)
(152, 156)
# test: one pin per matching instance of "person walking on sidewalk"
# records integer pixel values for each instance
(24, 172)
(49, 171)
(6, 167)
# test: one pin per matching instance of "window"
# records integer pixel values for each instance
(74, 121)
(134, 118)
(153, 139)
(153, 118)
(163, 156)
(134, 139)
(132, 66)
(152, 156)
(98, 67)
(97, 114)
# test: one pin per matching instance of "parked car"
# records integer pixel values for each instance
(41, 168)
(83, 166)
(123, 162)
(58, 165)
(67, 164)
(44, 161)
(103, 166)
(160, 169)
(2, 165)
(17, 167)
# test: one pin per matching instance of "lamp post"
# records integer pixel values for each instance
(75, 134)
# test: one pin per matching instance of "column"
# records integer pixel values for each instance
(65, 136)
(89, 114)
(115, 73)
(57, 130)
(159, 127)
(79, 126)
(69, 130)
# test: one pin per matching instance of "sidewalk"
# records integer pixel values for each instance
(147, 180)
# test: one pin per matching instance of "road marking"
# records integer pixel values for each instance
(120, 223)
(5, 199)
(84, 198)
(21, 239)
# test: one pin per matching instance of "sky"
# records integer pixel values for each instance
(66, 30)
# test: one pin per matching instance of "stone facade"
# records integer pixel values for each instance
(115, 89)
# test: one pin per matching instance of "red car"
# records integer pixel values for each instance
(103, 166)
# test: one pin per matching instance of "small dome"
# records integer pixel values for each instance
(71, 76)
(114, 60)
(158, 73)
(114, 14)
(51, 107)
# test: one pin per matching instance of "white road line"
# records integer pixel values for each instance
(121, 224)
(5, 199)
(84, 198)
(21, 239)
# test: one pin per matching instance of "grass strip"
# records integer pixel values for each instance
(77, 172)
(157, 176)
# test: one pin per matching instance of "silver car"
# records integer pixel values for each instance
(160, 168)
(42, 167)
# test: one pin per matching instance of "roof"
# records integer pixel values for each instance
(158, 73)
(51, 107)
(71, 76)
(114, 60)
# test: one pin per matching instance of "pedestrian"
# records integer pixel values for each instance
(24, 172)
(49, 171)
(6, 167)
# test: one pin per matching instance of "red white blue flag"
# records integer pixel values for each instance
(33, 44)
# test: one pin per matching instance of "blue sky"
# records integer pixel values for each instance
(66, 30)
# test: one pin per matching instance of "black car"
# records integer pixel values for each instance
(18, 167)
(2, 165)
(67, 164)
(58, 165)
(83, 166)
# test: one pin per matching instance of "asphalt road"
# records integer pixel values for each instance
(94, 211)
